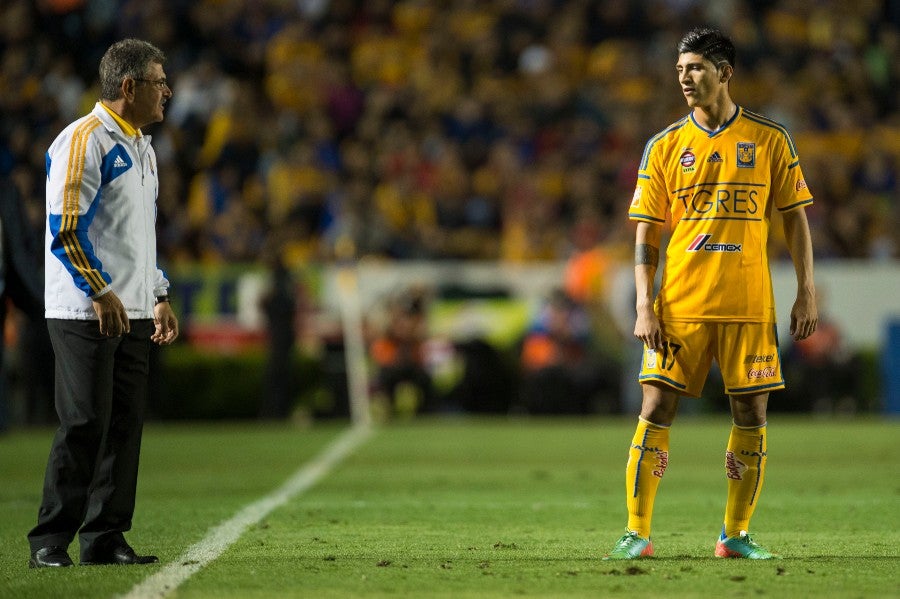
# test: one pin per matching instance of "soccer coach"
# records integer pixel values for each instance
(105, 301)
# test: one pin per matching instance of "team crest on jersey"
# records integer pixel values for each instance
(801, 184)
(687, 161)
(746, 154)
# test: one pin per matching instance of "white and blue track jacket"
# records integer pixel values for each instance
(101, 219)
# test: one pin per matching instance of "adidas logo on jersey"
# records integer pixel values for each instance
(119, 163)
(715, 157)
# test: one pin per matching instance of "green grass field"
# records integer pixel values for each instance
(462, 507)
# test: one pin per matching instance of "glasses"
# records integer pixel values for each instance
(157, 83)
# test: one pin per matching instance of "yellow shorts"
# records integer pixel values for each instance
(746, 352)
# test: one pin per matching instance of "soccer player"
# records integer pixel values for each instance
(718, 173)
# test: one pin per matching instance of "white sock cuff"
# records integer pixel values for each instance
(750, 428)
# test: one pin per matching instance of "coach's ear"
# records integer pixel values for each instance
(127, 88)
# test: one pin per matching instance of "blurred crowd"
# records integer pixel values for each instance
(466, 129)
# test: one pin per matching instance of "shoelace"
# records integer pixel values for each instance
(755, 548)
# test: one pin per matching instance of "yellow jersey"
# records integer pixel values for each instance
(718, 188)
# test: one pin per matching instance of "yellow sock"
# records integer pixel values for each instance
(745, 467)
(647, 461)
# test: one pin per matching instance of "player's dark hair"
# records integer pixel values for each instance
(711, 44)
(126, 58)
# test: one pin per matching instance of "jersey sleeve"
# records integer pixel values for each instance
(649, 202)
(789, 187)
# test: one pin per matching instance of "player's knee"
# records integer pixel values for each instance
(659, 405)
(749, 410)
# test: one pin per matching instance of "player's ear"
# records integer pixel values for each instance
(726, 72)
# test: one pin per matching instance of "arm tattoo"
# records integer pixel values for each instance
(644, 253)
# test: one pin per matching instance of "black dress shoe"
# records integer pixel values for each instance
(123, 555)
(50, 557)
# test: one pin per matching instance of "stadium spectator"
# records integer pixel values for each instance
(561, 370)
(402, 381)
(596, 253)
(825, 371)
(21, 288)
(279, 305)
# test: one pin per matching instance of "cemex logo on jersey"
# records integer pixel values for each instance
(701, 242)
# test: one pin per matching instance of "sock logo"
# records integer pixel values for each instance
(662, 462)
(734, 468)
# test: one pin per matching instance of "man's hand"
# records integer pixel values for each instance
(804, 316)
(166, 324)
(648, 329)
(113, 318)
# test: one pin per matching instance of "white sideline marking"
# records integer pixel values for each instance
(218, 539)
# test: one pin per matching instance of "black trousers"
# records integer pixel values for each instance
(101, 393)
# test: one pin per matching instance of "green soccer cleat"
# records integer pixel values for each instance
(742, 547)
(631, 546)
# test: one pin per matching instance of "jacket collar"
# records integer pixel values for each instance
(114, 122)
